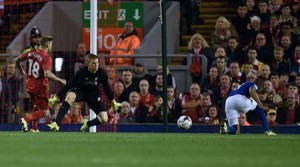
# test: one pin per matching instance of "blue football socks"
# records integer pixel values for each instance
(262, 117)
(231, 130)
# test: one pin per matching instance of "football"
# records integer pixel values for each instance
(184, 122)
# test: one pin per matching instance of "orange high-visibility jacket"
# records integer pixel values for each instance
(124, 47)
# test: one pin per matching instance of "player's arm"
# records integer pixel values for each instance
(18, 61)
(51, 76)
(254, 95)
(106, 85)
(65, 88)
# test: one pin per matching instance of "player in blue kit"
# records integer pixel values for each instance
(243, 99)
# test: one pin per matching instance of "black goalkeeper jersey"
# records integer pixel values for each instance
(88, 83)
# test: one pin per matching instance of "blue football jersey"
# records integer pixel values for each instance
(244, 89)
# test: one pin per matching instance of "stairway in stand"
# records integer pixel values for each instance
(14, 22)
(210, 10)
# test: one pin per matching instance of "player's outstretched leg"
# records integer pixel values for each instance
(88, 123)
(263, 119)
(34, 131)
(53, 126)
(24, 124)
(223, 128)
(34, 126)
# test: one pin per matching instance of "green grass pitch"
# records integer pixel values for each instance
(71, 149)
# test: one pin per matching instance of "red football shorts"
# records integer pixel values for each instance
(40, 101)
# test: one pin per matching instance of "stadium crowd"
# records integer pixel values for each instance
(260, 44)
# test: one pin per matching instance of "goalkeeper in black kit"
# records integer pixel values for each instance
(84, 87)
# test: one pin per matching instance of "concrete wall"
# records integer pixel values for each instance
(151, 43)
(67, 23)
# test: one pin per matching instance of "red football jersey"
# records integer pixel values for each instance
(37, 61)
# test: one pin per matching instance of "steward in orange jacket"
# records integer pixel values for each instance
(126, 45)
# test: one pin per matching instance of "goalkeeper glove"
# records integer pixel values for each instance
(53, 100)
(116, 105)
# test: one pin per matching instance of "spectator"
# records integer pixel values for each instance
(112, 75)
(5, 99)
(288, 47)
(287, 15)
(293, 89)
(287, 28)
(74, 116)
(251, 7)
(205, 102)
(191, 104)
(274, 29)
(291, 114)
(139, 72)
(211, 81)
(240, 23)
(213, 114)
(138, 109)
(264, 51)
(280, 64)
(14, 87)
(265, 75)
(174, 105)
(248, 68)
(264, 14)
(279, 87)
(255, 28)
(235, 85)
(126, 45)
(157, 116)
(171, 81)
(220, 52)
(271, 117)
(235, 74)
(251, 77)
(243, 119)
(296, 9)
(284, 79)
(201, 52)
(295, 62)
(275, 6)
(223, 30)
(297, 81)
(221, 65)
(126, 115)
(234, 52)
(147, 98)
(130, 86)
(118, 90)
(158, 89)
(221, 92)
(273, 100)
(72, 63)
(257, 65)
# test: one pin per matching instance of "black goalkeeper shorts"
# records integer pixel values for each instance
(93, 100)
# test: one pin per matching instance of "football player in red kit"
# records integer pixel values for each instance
(38, 71)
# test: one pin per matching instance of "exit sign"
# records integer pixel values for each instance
(114, 15)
